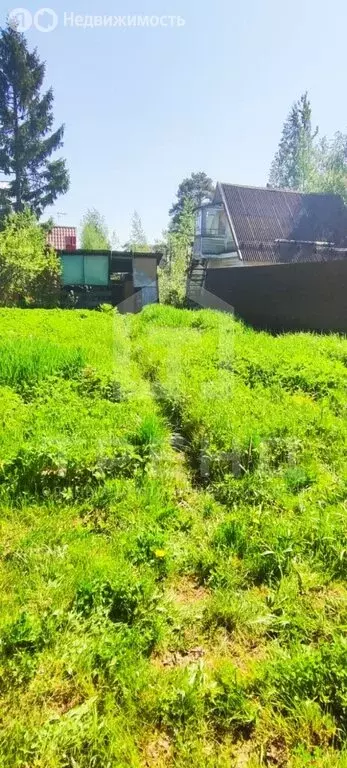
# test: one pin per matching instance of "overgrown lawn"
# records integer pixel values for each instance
(173, 542)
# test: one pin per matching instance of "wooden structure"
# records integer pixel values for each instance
(244, 226)
(290, 250)
(126, 280)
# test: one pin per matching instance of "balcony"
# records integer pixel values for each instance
(213, 236)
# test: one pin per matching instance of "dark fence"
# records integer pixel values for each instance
(307, 296)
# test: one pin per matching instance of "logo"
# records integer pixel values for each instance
(44, 20)
(20, 19)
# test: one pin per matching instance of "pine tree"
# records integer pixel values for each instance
(26, 138)
(294, 162)
(195, 188)
(138, 239)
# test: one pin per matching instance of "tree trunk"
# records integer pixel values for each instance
(17, 185)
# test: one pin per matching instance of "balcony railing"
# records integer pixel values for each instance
(213, 245)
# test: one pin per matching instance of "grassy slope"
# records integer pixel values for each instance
(173, 542)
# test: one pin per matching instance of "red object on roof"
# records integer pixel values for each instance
(63, 238)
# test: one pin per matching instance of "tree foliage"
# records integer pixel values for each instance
(94, 236)
(195, 188)
(27, 141)
(29, 269)
(137, 240)
(173, 277)
(293, 164)
(306, 163)
(331, 166)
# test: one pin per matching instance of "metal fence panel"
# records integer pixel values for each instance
(149, 294)
(145, 271)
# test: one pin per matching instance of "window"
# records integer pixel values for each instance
(85, 269)
(72, 270)
(96, 270)
(198, 222)
(215, 222)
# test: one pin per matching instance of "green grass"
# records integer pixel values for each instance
(173, 542)
(27, 361)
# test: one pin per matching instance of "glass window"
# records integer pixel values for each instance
(96, 270)
(223, 226)
(85, 270)
(198, 221)
(211, 222)
(72, 270)
(215, 222)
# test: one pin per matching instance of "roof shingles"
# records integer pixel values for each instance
(261, 217)
(62, 238)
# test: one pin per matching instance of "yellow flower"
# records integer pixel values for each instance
(160, 553)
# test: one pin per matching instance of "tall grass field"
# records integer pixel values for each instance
(173, 542)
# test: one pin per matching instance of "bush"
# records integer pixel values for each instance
(107, 308)
(29, 269)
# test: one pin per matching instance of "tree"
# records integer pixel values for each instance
(115, 242)
(293, 166)
(26, 138)
(138, 239)
(94, 236)
(331, 166)
(305, 163)
(29, 269)
(196, 188)
(173, 277)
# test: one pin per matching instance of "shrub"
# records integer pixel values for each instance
(29, 269)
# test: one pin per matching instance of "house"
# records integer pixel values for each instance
(63, 238)
(121, 278)
(294, 246)
(90, 278)
(245, 226)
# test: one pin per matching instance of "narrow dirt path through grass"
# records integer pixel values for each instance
(173, 543)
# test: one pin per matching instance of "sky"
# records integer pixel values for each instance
(143, 107)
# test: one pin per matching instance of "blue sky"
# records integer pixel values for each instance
(144, 107)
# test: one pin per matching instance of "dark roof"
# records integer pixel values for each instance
(261, 216)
